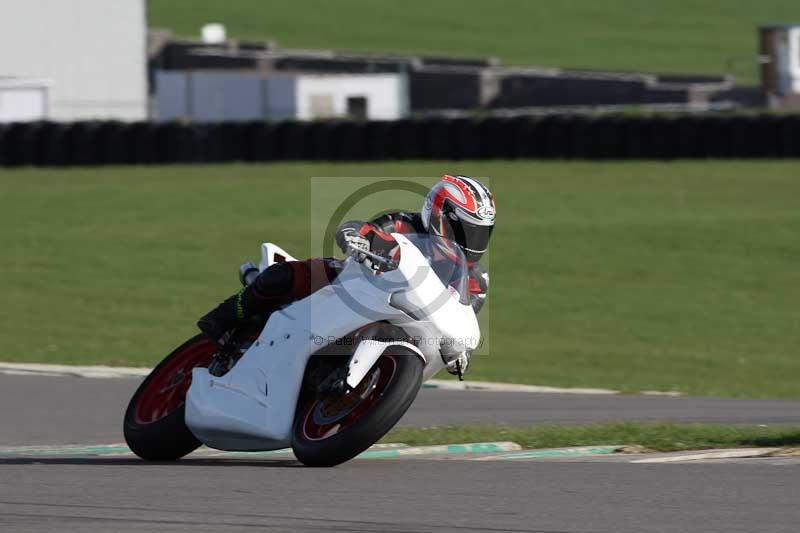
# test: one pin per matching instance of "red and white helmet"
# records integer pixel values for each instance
(461, 209)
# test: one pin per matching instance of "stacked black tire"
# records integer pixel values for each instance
(546, 137)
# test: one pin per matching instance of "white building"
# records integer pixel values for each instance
(24, 99)
(91, 53)
(780, 64)
(208, 96)
(370, 96)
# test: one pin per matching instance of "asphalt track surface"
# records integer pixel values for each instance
(390, 495)
(398, 496)
(67, 410)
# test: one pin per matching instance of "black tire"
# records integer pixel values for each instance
(166, 437)
(385, 411)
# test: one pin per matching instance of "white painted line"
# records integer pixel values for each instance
(13, 372)
(94, 371)
(493, 386)
(711, 454)
(119, 448)
(100, 372)
(210, 452)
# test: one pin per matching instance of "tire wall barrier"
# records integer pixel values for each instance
(545, 137)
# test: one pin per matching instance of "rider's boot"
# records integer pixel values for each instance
(223, 318)
(271, 289)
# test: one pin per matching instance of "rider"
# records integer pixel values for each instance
(458, 208)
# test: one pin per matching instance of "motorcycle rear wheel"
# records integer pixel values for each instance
(155, 427)
(330, 431)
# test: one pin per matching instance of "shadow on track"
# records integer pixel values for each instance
(132, 461)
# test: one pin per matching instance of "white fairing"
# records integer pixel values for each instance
(252, 407)
(367, 354)
(271, 254)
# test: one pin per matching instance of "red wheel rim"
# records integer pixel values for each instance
(328, 417)
(166, 390)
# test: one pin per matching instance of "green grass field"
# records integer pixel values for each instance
(662, 437)
(634, 276)
(660, 35)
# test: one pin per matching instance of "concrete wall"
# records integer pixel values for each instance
(281, 97)
(92, 51)
(531, 89)
(222, 96)
(437, 88)
(209, 96)
(386, 94)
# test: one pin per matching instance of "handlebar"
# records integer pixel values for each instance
(372, 255)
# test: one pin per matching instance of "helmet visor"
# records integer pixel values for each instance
(473, 238)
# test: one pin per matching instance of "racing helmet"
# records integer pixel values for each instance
(461, 209)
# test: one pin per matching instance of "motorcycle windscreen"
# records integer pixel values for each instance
(447, 261)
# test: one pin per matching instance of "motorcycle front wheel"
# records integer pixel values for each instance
(155, 427)
(330, 431)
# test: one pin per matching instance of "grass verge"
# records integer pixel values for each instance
(662, 437)
(630, 276)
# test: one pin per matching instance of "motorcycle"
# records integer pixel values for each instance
(327, 375)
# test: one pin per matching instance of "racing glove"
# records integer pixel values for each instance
(350, 240)
(458, 365)
(354, 236)
(478, 286)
